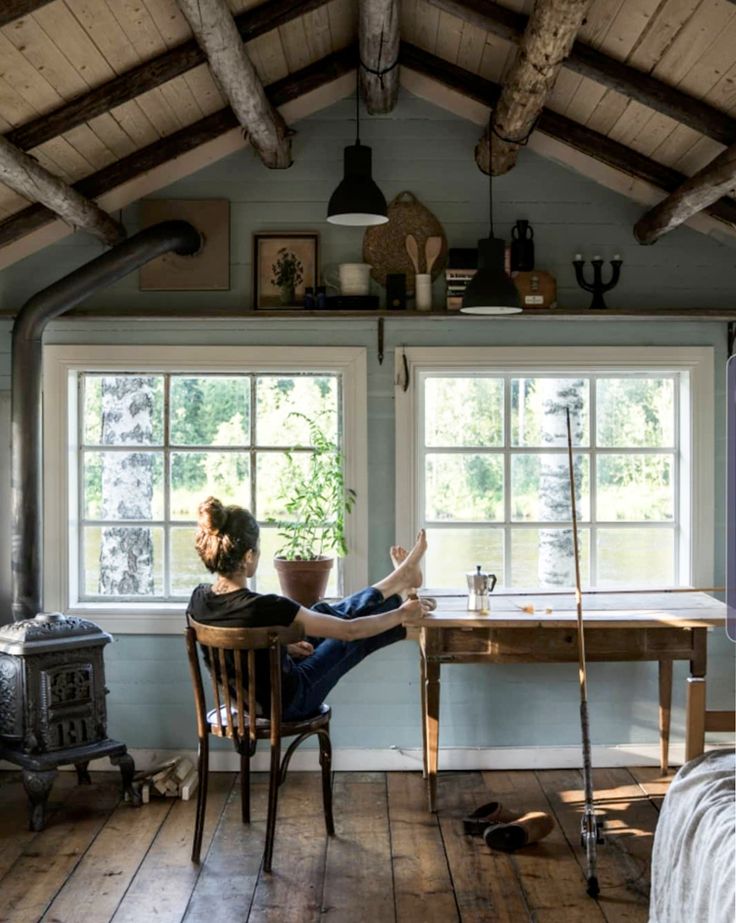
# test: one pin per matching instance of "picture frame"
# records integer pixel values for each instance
(285, 263)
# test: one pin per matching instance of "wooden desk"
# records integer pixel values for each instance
(655, 627)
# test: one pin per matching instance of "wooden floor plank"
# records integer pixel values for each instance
(50, 858)
(15, 836)
(623, 862)
(224, 888)
(358, 884)
(486, 887)
(97, 885)
(422, 883)
(293, 891)
(549, 873)
(651, 781)
(163, 884)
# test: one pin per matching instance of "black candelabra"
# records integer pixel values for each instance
(597, 287)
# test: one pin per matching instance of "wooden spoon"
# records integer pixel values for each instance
(432, 250)
(413, 250)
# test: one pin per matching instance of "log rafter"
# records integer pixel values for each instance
(159, 70)
(11, 10)
(560, 127)
(186, 139)
(214, 28)
(546, 42)
(378, 31)
(615, 75)
(27, 177)
(698, 192)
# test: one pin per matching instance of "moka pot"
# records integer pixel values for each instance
(480, 586)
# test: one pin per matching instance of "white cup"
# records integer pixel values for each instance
(423, 291)
(355, 278)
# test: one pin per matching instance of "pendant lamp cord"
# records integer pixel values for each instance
(357, 106)
(490, 200)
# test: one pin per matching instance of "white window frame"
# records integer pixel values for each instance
(61, 367)
(696, 423)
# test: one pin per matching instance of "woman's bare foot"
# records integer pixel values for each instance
(398, 555)
(407, 573)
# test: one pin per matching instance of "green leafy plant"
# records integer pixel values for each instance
(318, 500)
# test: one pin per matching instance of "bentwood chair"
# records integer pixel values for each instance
(230, 654)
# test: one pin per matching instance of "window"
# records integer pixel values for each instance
(151, 432)
(489, 469)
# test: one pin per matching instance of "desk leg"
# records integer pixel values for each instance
(423, 692)
(665, 712)
(432, 728)
(695, 705)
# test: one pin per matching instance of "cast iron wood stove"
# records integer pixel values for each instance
(52, 704)
(52, 675)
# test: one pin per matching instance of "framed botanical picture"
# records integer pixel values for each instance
(284, 265)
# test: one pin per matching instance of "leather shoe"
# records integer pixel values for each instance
(523, 831)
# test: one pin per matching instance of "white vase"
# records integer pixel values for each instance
(423, 291)
(355, 278)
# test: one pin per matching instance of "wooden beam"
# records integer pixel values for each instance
(214, 28)
(251, 24)
(563, 129)
(28, 178)
(281, 92)
(698, 192)
(378, 33)
(546, 42)
(607, 71)
(14, 9)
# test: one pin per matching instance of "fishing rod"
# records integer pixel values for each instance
(591, 831)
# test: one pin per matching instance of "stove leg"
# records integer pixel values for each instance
(83, 777)
(127, 771)
(37, 786)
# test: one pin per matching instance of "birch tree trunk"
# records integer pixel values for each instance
(126, 553)
(556, 554)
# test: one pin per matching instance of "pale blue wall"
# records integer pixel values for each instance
(428, 151)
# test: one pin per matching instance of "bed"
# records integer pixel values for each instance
(694, 852)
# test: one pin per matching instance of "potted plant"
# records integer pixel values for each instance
(318, 502)
(288, 273)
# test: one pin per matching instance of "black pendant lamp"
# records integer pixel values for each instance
(491, 290)
(357, 201)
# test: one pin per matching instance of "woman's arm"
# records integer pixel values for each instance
(320, 625)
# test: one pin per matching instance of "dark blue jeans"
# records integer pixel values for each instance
(317, 674)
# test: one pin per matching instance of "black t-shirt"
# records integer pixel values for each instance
(245, 609)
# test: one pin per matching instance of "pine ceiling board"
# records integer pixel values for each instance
(170, 21)
(112, 135)
(656, 130)
(103, 28)
(708, 71)
(134, 122)
(37, 93)
(608, 111)
(631, 128)
(449, 33)
(627, 26)
(694, 40)
(11, 202)
(661, 31)
(204, 89)
(675, 145)
(319, 36)
(493, 59)
(159, 113)
(62, 159)
(723, 94)
(426, 22)
(700, 155)
(587, 96)
(181, 100)
(13, 108)
(64, 29)
(598, 19)
(294, 42)
(407, 15)
(267, 54)
(472, 43)
(564, 91)
(139, 27)
(343, 15)
(84, 140)
(44, 56)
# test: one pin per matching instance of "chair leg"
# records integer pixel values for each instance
(203, 770)
(245, 784)
(273, 797)
(325, 761)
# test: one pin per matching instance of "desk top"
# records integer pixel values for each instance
(630, 610)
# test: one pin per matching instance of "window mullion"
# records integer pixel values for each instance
(167, 487)
(593, 475)
(507, 562)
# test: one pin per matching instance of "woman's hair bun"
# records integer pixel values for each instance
(212, 515)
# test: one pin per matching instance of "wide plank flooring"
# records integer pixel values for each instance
(99, 860)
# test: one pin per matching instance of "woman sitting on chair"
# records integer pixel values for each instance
(343, 634)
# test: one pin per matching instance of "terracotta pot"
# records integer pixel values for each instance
(304, 581)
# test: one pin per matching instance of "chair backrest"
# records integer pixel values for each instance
(241, 644)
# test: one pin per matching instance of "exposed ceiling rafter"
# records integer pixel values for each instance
(214, 28)
(378, 33)
(547, 40)
(15, 9)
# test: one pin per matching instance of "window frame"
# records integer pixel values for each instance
(696, 494)
(60, 370)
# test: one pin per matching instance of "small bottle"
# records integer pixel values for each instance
(321, 296)
(309, 301)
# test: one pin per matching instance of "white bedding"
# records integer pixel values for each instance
(694, 852)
